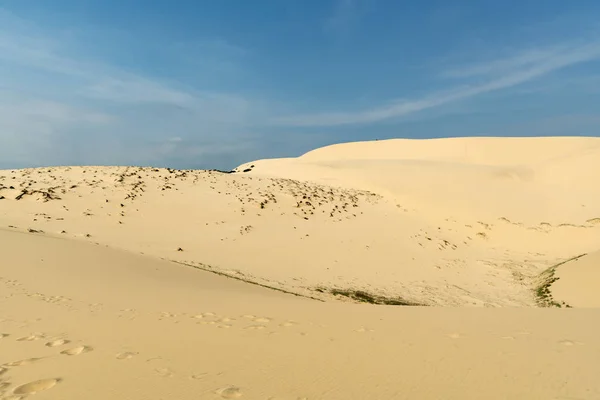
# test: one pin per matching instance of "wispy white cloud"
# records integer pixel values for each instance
(25, 45)
(501, 74)
(136, 90)
(30, 128)
(97, 81)
(57, 106)
(17, 108)
(522, 59)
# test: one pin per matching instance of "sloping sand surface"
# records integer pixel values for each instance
(578, 282)
(80, 320)
(150, 283)
(531, 180)
(469, 221)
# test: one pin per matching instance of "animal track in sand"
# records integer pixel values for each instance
(75, 351)
(3, 335)
(363, 330)
(262, 319)
(230, 392)
(36, 386)
(56, 343)
(126, 355)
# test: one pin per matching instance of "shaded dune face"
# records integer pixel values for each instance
(466, 221)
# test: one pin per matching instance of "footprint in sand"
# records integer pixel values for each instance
(3, 335)
(20, 363)
(278, 398)
(75, 351)
(262, 319)
(164, 372)
(165, 314)
(56, 343)
(255, 327)
(36, 386)
(363, 330)
(287, 324)
(13, 397)
(569, 343)
(205, 315)
(454, 335)
(30, 338)
(126, 355)
(230, 392)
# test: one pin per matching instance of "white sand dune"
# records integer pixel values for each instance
(430, 226)
(473, 177)
(107, 290)
(83, 321)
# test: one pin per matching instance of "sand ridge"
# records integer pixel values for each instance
(420, 222)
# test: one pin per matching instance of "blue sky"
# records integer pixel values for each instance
(212, 84)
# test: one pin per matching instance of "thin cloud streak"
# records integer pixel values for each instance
(97, 82)
(502, 66)
(536, 66)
